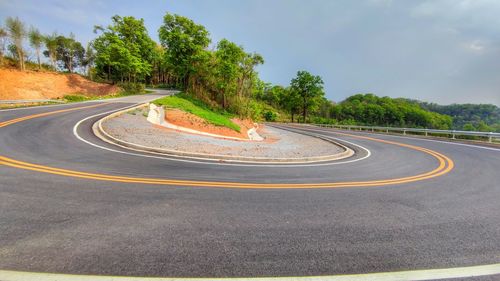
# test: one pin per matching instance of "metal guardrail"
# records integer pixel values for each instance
(426, 132)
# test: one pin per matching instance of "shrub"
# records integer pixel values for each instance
(75, 98)
(130, 88)
(270, 116)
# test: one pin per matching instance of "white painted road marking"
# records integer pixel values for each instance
(425, 274)
(75, 132)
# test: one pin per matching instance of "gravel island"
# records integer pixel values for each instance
(134, 128)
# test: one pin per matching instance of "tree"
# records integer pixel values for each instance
(184, 41)
(89, 59)
(124, 50)
(69, 52)
(310, 89)
(36, 41)
(51, 45)
(3, 35)
(228, 56)
(291, 102)
(17, 33)
(248, 64)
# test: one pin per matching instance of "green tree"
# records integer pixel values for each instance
(310, 88)
(124, 50)
(184, 42)
(247, 68)
(483, 127)
(228, 56)
(468, 127)
(291, 102)
(69, 52)
(36, 41)
(17, 32)
(51, 45)
(89, 59)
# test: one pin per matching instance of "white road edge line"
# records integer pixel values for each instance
(424, 274)
(75, 132)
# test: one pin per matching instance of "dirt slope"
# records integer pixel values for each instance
(17, 85)
(191, 121)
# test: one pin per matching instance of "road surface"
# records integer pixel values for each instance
(71, 203)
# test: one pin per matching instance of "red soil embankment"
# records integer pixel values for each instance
(191, 121)
(28, 85)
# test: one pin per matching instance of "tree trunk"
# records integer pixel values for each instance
(20, 57)
(38, 58)
(304, 111)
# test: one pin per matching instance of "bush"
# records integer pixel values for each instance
(75, 98)
(270, 116)
(130, 88)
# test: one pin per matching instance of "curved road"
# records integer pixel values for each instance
(400, 204)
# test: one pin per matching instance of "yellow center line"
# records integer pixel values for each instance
(20, 119)
(445, 166)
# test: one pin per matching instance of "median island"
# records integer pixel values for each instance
(183, 126)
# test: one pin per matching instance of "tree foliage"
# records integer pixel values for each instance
(70, 53)
(3, 36)
(17, 32)
(50, 41)
(124, 50)
(36, 41)
(310, 89)
(477, 117)
(185, 43)
(369, 109)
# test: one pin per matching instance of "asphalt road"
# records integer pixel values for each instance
(61, 223)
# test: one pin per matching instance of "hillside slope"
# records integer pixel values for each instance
(480, 117)
(18, 85)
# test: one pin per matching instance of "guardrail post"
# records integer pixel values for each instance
(453, 135)
(386, 130)
(490, 137)
(426, 132)
(404, 132)
(372, 130)
(348, 128)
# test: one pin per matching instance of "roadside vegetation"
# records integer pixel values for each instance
(468, 117)
(81, 97)
(198, 108)
(221, 75)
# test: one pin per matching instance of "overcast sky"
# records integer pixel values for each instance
(443, 51)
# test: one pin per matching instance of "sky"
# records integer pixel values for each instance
(443, 51)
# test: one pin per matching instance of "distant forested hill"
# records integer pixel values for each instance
(481, 117)
(369, 109)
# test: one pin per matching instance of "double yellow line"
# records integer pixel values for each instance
(445, 166)
(20, 119)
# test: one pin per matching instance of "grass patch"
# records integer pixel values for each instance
(76, 98)
(198, 108)
(80, 97)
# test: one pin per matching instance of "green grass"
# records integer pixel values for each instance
(80, 97)
(198, 108)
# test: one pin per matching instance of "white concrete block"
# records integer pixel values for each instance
(156, 114)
